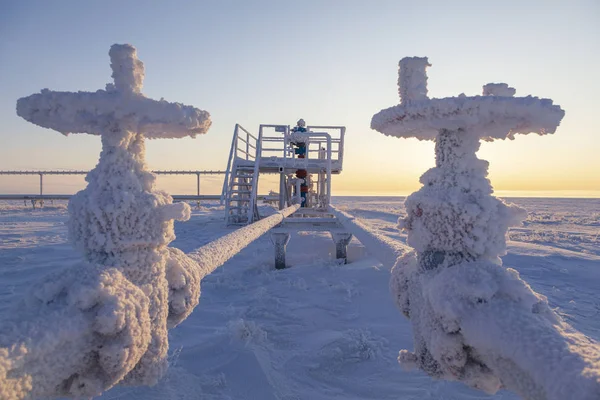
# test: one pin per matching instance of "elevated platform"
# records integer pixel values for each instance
(310, 220)
(304, 157)
(273, 165)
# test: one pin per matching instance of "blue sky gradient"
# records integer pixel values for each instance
(329, 62)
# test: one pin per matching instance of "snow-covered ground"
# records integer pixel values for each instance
(317, 330)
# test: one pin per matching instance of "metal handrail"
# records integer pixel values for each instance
(229, 165)
(318, 142)
(247, 133)
(255, 176)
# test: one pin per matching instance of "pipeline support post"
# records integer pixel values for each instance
(280, 241)
(198, 188)
(341, 240)
(41, 190)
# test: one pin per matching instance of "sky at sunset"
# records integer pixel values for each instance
(329, 62)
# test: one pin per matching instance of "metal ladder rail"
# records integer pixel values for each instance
(239, 193)
(233, 172)
(230, 166)
(229, 190)
(253, 208)
(243, 177)
(234, 175)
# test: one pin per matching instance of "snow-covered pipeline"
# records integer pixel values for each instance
(45, 351)
(217, 252)
(383, 249)
(530, 350)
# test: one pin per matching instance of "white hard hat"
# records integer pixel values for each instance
(301, 122)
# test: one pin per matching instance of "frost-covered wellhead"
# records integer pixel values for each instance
(473, 319)
(412, 79)
(112, 310)
(454, 213)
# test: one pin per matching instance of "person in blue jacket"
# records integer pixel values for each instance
(300, 126)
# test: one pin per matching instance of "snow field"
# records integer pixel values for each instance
(318, 330)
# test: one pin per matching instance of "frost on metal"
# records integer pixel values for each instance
(412, 79)
(96, 112)
(473, 319)
(495, 115)
(105, 320)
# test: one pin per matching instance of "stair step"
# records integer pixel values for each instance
(241, 191)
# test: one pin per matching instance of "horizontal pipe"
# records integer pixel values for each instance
(188, 172)
(45, 355)
(382, 248)
(532, 352)
(43, 172)
(160, 172)
(217, 252)
(176, 197)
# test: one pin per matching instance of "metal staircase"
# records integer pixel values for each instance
(273, 151)
(241, 179)
(240, 207)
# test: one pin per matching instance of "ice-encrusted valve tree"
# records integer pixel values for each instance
(454, 217)
(473, 319)
(105, 321)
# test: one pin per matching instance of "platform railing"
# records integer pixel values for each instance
(274, 144)
(254, 193)
(246, 144)
(337, 139)
(314, 146)
(230, 161)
